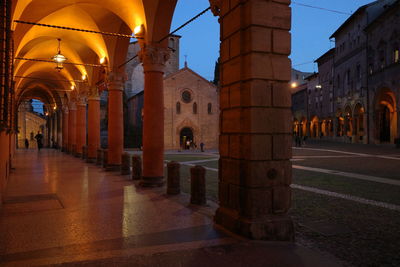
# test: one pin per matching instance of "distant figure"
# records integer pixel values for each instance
(26, 143)
(202, 146)
(298, 141)
(39, 140)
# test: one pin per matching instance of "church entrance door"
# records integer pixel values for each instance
(186, 138)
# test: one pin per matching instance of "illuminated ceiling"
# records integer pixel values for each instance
(115, 16)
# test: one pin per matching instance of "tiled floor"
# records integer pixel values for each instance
(58, 209)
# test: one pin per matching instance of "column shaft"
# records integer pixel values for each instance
(93, 127)
(72, 130)
(255, 171)
(153, 57)
(80, 128)
(153, 129)
(115, 125)
(65, 131)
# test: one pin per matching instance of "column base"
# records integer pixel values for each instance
(157, 181)
(91, 160)
(78, 155)
(112, 168)
(271, 228)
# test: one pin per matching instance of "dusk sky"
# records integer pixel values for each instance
(311, 29)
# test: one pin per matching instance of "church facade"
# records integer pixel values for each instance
(191, 105)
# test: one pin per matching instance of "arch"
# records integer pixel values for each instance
(348, 121)
(385, 113)
(186, 137)
(314, 127)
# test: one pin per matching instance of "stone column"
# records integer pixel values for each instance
(93, 124)
(115, 120)
(255, 171)
(153, 59)
(59, 129)
(65, 120)
(71, 127)
(80, 126)
(54, 134)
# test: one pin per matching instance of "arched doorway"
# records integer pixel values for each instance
(384, 122)
(315, 127)
(186, 138)
(385, 116)
(358, 123)
(348, 122)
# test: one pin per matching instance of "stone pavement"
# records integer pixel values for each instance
(59, 210)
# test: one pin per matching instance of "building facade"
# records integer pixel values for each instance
(356, 95)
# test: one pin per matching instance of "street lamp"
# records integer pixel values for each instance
(59, 58)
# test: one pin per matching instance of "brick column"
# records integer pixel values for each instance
(80, 126)
(71, 127)
(255, 172)
(153, 59)
(115, 120)
(65, 120)
(93, 124)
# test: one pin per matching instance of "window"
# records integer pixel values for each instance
(194, 108)
(348, 77)
(186, 96)
(178, 108)
(209, 108)
(396, 55)
(358, 72)
(370, 68)
(382, 58)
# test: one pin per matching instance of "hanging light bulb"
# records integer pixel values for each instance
(59, 58)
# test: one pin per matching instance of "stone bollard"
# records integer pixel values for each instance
(125, 164)
(173, 179)
(198, 185)
(104, 158)
(99, 158)
(136, 167)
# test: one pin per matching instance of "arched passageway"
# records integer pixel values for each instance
(85, 64)
(385, 116)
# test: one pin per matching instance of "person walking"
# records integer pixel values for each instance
(39, 140)
(202, 146)
(26, 143)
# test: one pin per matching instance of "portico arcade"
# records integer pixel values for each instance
(255, 134)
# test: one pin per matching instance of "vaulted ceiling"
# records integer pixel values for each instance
(38, 42)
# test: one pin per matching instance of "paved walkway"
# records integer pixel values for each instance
(58, 209)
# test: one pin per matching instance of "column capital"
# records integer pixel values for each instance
(93, 93)
(216, 7)
(116, 80)
(72, 106)
(81, 98)
(153, 57)
(65, 109)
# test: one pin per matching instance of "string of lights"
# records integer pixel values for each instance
(321, 8)
(172, 33)
(46, 79)
(51, 61)
(75, 29)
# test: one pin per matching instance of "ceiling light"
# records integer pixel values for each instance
(59, 58)
(102, 60)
